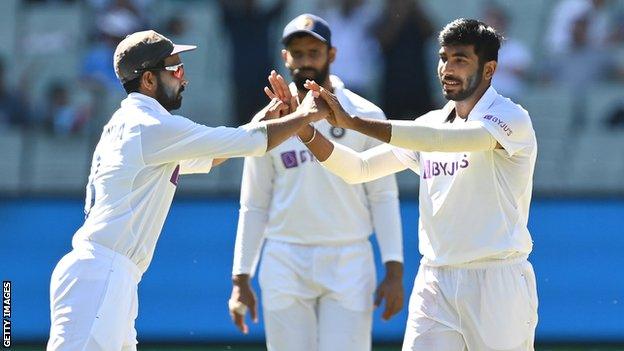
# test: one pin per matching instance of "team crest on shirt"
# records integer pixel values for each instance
(337, 132)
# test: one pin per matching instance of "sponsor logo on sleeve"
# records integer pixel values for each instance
(500, 123)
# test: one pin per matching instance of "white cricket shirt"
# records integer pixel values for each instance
(135, 168)
(475, 205)
(288, 196)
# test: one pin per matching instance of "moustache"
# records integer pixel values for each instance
(450, 79)
(305, 69)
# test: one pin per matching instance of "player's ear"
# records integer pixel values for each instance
(489, 69)
(332, 54)
(148, 81)
(285, 56)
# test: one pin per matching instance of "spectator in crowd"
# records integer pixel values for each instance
(358, 61)
(248, 24)
(584, 63)
(560, 35)
(112, 27)
(175, 26)
(402, 31)
(138, 8)
(48, 1)
(13, 108)
(514, 58)
(615, 118)
(62, 116)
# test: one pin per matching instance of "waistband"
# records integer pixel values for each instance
(103, 251)
(485, 263)
(323, 245)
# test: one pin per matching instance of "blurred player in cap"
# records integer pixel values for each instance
(142, 151)
(475, 289)
(318, 273)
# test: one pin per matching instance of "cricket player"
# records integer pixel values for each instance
(318, 273)
(475, 289)
(142, 151)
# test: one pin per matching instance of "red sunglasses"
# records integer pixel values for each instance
(177, 70)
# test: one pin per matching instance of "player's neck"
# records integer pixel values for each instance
(464, 107)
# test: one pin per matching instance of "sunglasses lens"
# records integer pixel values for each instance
(179, 73)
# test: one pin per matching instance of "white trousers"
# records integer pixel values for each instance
(484, 306)
(93, 301)
(317, 298)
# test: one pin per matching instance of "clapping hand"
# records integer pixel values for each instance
(280, 90)
(316, 109)
(338, 117)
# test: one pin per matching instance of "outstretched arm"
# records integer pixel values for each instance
(413, 135)
(351, 166)
(310, 110)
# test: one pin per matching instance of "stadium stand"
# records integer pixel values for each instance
(59, 164)
(570, 159)
(10, 177)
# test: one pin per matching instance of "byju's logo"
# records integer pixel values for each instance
(431, 169)
(289, 158)
(292, 159)
(502, 124)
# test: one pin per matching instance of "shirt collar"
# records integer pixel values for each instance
(142, 100)
(484, 103)
(336, 84)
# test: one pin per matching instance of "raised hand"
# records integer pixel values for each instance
(315, 108)
(274, 109)
(338, 117)
(280, 90)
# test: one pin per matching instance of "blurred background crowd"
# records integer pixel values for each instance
(562, 60)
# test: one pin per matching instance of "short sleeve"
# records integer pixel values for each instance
(511, 128)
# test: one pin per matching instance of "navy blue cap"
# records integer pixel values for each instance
(309, 24)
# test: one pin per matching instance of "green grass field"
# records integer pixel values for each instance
(376, 348)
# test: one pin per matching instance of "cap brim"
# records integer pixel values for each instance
(182, 48)
(309, 32)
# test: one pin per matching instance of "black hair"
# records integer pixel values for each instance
(299, 35)
(485, 39)
(132, 86)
